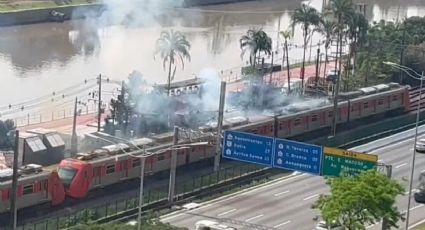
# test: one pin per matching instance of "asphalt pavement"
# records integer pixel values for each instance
(286, 202)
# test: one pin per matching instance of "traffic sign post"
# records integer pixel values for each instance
(248, 147)
(297, 156)
(337, 161)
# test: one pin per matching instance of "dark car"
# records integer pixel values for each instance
(56, 16)
(420, 194)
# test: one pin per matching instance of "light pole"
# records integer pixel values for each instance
(421, 78)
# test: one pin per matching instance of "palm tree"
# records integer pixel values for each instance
(357, 30)
(255, 41)
(307, 17)
(171, 45)
(327, 28)
(286, 35)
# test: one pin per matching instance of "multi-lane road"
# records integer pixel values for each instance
(286, 202)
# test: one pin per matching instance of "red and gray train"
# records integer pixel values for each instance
(76, 177)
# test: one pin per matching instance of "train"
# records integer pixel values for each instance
(76, 177)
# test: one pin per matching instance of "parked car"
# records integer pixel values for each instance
(420, 145)
(322, 225)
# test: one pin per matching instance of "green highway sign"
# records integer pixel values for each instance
(338, 160)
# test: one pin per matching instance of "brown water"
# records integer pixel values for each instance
(38, 59)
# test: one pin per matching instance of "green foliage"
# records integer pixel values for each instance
(385, 43)
(307, 17)
(172, 45)
(357, 201)
(5, 130)
(149, 224)
(255, 41)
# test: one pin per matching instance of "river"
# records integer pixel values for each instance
(39, 59)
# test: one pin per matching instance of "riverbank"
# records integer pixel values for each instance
(27, 12)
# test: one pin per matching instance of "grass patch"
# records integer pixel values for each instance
(14, 6)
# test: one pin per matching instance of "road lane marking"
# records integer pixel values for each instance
(254, 217)
(399, 166)
(281, 224)
(281, 193)
(312, 196)
(423, 171)
(218, 200)
(227, 212)
(413, 191)
(418, 206)
(380, 160)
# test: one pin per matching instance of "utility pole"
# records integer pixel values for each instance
(74, 141)
(402, 55)
(338, 79)
(13, 204)
(142, 176)
(287, 65)
(271, 70)
(99, 115)
(389, 170)
(317, 71)
(171, 187)
(275, 125)
(219, 126)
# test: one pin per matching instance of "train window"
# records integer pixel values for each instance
(193, 149)
(161, 157)
(395, 98)
(280, 126)
(331, 114)
(314, 117)
(297, 122)
(28, 189)
(136, 162)
(271, 128)
(366, 105)
(381, 101)
(110, 169)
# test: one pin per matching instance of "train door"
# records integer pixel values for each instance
(124, 169)
(96, 175)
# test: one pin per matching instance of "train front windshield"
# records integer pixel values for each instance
(66, 175)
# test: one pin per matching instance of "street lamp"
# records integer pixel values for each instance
(420, 77)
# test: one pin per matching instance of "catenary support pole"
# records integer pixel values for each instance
(316, 84)
(172, 185)
(13, 208)
(142, 176)
(412, 170)
(219, 126)
(99, 104)
(74, 141)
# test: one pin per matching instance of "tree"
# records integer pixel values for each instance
(342, 11)
(357, 201)
(172, 45)
(286, 35)
(5, 128)
(326, 27)
(255, 41)
(306, 16)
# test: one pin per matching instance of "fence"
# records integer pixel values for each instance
(58, 114)
(151, 196)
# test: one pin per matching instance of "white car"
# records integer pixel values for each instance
(211, 225)
(420, 145)
(323, 226)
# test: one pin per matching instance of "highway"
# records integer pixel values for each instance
(286, 202)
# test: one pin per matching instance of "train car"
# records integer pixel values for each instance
(36, 185)
(109, 165)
